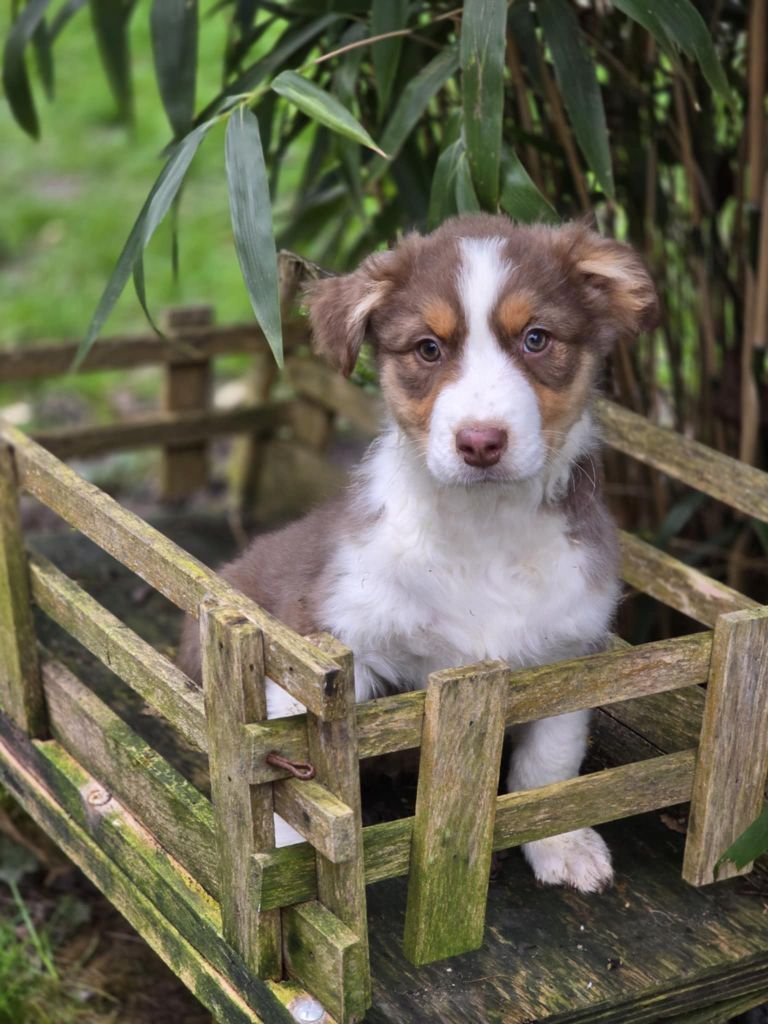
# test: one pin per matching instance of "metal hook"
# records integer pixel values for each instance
(298, 769)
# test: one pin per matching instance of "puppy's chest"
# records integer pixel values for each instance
(445, 596)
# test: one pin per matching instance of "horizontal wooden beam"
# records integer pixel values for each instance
(363, 409)
(294, 663)
(326, 822)
(395, 723)
(211, 987)
(180, 818)
(736, 484)
(288, 875)
(158, 429)
(680, 586)
(136, 662)
(51, 358)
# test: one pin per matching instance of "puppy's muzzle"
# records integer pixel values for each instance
(481, 444)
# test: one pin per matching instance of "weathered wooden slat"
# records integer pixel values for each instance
(333, 392)
(455, 807)
(332, 749)
(395, 723)
(676, 584)
(736, 484)
(732, 758)
(214, 989)
(186, 389)
(52, 358)
(161, 428)
(171, 808)
(21, 694)
(291, 660)
(322, 954)
(135, 661)
(326, 822)
(287, 875)
(662, 722)
(233, 683)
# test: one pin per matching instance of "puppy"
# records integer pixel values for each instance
(474, 528)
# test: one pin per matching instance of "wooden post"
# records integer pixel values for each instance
(247, 457)
(233, 684)
(333, 751)
(187, 389)
(455, 809)
(732, 758)
(21, 693)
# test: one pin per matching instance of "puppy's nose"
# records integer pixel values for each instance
(481, 444)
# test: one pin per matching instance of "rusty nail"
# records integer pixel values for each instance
(298, 769)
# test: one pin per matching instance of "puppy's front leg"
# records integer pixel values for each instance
(552, 750)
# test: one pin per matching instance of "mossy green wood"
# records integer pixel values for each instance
(233, 684)
(21, 694)
(136, 662)
(211, 987)
(180, 818)
(289, 659)
(333, 750)
(326, 822)
(455, 808)
(732, 761)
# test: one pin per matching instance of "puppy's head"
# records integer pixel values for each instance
(487, 335)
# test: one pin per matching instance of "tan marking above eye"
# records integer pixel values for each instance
(515, 311)
(440, 318)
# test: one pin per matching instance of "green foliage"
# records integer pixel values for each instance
(750, 845)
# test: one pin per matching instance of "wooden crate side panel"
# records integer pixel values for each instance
(179, 817)
(732, 760)
(136, 662)
(21, 694)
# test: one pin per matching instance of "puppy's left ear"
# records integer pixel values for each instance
(340, 308)
(617, 283)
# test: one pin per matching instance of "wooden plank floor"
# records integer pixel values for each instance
(652, 948)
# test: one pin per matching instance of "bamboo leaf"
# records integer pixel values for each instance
(41, 41)
(110, 26)
(173, 25)
(644, 14)
(750, 845)
(251, 211)
(519, 196)
(152, 212)
(442, 198)
(414, 101)
(63, 15)
(688, 29)
(466, 197)
(322, 107)
(15, 75)
(483, 40)
(577, 78)
(386, 16)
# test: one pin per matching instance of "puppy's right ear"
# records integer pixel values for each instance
(340, 308)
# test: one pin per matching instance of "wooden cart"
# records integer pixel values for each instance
(263, 934)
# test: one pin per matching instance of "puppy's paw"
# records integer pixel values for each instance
(578, 859)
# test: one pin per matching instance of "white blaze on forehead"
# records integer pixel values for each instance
(489, 388)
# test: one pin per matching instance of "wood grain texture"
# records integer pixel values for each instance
(741, 486)
(21, 694)
(290, 659)
(179, 817)
(395, 723)
(163, 428)
(211, 987)
(676, 584)
(332, 748)
(323, 954)
(455, 809)
(326, 822)
(233, 684)
(732, 760)
(146, 671)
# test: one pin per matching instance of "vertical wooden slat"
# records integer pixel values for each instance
(732, 758)
(21, 692)
(455, 808)
(233, 683)
(341, 887)
(187, 387)
(247, 457)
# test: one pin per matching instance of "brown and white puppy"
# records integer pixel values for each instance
(474, 528)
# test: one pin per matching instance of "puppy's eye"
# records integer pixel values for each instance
(429, 350)
(536, 340)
